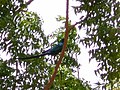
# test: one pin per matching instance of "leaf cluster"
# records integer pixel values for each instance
(102, 35)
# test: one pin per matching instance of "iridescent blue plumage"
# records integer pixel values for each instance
(54, 50)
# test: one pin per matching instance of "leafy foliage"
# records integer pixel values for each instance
(102, 35)
(20, 32)
(65, 80)
(17, 29)
(22, 36)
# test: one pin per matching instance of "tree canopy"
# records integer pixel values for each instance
(21, 35)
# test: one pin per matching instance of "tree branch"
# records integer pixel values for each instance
(80, 21)
(29, 2)
(63, 50)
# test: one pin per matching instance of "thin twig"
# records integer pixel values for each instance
(29, 2)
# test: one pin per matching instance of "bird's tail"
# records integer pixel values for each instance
(37, 56)
(30, 57)
(43, 54)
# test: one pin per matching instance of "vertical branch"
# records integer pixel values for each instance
(78, 72)
(63, 50)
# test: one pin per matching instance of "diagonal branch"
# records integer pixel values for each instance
(29, 2)
(63, 50)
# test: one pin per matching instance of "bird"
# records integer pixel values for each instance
(52, 51)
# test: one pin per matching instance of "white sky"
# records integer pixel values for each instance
(48, 10)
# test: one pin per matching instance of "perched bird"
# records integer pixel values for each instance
(52, 51)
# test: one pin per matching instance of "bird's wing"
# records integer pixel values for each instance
(56, 49)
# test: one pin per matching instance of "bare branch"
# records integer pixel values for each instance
(29, 2)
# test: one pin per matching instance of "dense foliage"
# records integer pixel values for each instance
(102, 21)
(21, 35)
